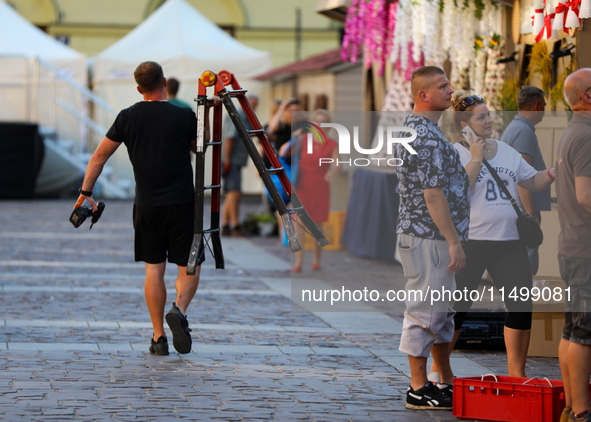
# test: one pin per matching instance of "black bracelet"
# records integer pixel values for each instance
(85, 192)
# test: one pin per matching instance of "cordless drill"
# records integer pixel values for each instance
(80, 214)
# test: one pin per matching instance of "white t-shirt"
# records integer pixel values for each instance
(492, 217)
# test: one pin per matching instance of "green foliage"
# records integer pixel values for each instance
(479, 9)
(478, 43)
(252, 223)
(495, 41)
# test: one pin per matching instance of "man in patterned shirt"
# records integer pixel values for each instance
(433, 220)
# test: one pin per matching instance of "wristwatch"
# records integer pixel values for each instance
(84, 192)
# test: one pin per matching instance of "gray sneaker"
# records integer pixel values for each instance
(181, 333)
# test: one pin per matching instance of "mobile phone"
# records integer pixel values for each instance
(465, 133)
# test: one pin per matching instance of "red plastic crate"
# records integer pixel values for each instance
(508, 399)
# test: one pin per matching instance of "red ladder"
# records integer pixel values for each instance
(220, 81)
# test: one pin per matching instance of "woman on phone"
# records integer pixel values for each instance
(494, 243)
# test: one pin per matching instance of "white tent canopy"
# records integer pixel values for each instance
(180, 39)
(20, 38)
(24, 86)
(185, 43)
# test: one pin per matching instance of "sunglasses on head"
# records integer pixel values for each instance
(469, 101)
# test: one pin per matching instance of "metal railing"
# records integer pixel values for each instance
(87, 98)
(59, 86)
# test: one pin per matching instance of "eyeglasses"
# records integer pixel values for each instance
(469, 101)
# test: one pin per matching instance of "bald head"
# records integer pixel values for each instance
(575, 85)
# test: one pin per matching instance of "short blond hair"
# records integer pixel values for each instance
(420, 78)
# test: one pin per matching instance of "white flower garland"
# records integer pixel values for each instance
(436, 36)
(466, 46)
(479, 72)
(455, 74)
(431, 30)
(402, 33)
(488, 23)
(448, 25)
(418, 34)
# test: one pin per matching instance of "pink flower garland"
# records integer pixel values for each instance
(390, 30)
(376, 26)
(371, 25)
(353, 25)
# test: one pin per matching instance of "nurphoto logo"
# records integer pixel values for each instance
(388, 135)
(317, 131)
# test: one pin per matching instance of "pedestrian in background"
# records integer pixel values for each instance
(279, 133)
(312, 183)
(234, 157)
(433, 221)
(521, 135)
(279, 127)
(159, 137)
(172, 88)
(573, 191)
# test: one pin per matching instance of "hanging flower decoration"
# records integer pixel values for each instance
(449, 27)
(412, 32)
(402, 45)
(430, 18)
(572, 18)
(478, 43)
(466, 49)
(354, 31)
(402, 35)
(568, 14)
(375, 34)
(585, 9)
(390, 30)
(495, 41)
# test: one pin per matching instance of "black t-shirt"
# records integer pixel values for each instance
(158, 138)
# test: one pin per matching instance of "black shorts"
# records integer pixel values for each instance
(508, 265)
(162, 232)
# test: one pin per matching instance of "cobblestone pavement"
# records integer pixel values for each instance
(75, 330)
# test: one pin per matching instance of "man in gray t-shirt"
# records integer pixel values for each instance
(521, 135)
(573, 191)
